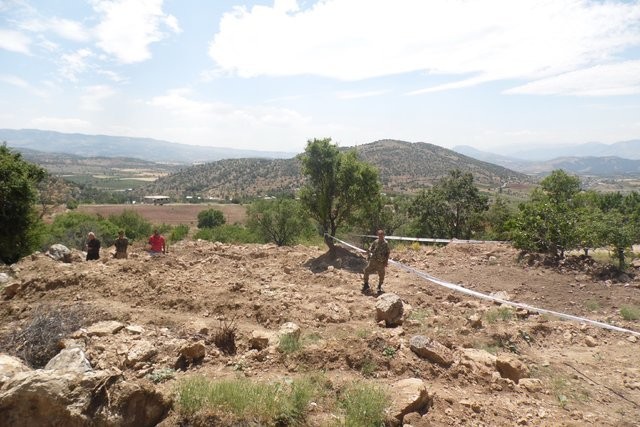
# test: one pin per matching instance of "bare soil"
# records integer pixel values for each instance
(588, 376)
(172, 213)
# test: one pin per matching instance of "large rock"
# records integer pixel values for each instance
(69, 360)
(10, 290)
(431, 350)
(73, 399)
(60, 252)
(409, 395)
(141, 351)
(478, 358)
(10, 366)
(193, 352)
(290, 329)
(512, 368)
(389, 309)
(261, 339)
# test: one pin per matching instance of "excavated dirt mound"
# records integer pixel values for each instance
(581, 375)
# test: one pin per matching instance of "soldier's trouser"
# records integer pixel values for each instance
(374, 267)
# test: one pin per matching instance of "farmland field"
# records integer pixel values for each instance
(173, 213)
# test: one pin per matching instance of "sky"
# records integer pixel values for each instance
(497, 75)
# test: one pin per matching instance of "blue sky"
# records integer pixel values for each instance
(494, 74)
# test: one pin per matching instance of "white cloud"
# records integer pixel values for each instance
(93, 96)
(75, 63)
(485, 41)
(64, 28)
(21, 83)
(602, 80)
(356, 95)
(128, 27)
(14, 41)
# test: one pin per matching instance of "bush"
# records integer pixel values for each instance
(289, 343)
(630, 312)
(228, 234)
(71, 230)
(38, 342)
(179, 233)
(363, 405)
(210, 218)
(225, 337)
(134, 225)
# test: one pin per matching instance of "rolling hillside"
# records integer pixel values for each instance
(404, 168)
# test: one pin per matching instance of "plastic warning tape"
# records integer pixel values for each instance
(430, 239)
(481, 295)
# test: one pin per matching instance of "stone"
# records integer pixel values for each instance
(475, 320)
(101, 329)
(409, 395)
(511, 368)
(59, 252)
(260, 339)
(10, 366)
(69, 360)
(590, 341)
(193, 352)
(290, 328)
(134, 329)
(533, 385)
(10, 290)
(431, 350)
(389, 309)
(479, 357)
(632, 338)
(141, 351)
(4, 278)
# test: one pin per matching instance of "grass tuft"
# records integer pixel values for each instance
(225, 337)
(630, 312)
(289, 344)
(363, 405)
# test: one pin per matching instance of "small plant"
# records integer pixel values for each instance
(592, 305)
(179, 233)
(289, 343)
(502, 313)
(363, 405)
(630, 312)
(225, 337)
(389, 352)
(363, 333)
(415, 246)
(368, 367)
(161, 375)
(419, 314)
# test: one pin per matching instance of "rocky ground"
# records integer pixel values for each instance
(477, 363)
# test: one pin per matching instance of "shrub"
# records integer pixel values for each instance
(630, 312)
(133, 224)
(71, 230)
(363, 405)
(179, 233)
(162, 375)
(210, 218)
(289, 344)
(39, 340)
(225, 337)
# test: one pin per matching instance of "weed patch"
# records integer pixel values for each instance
(630, 312)
(225, 337)
(289, 343)
(363, 405)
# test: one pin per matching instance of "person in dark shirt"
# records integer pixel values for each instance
(93, 247)
(121, 245)
(378, 261)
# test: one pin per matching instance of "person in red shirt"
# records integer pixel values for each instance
(157, 243)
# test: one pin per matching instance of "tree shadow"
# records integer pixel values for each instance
(340, 258)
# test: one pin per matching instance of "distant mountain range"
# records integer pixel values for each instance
(121, 146)
(581, 161)
(404, 167)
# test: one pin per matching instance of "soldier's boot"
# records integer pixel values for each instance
(365, 288)
(380, 290)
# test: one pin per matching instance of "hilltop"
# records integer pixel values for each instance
(489, 365)
(404, 167)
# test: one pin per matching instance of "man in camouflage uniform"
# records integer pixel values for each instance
(378, 260)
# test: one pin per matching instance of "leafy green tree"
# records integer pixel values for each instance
(620, 234)
(71, 230)
(18, 194)
(281, 221)
(452, 208)
(548, 222)
(133, 224)
(210, 218)
(337, 184)
(497, 218)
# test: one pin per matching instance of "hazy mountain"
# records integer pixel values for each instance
(587, 166)
(403, 167)
(605, 165)
(121, 146)
(623, 149)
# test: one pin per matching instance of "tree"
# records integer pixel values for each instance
(452, 208)
(18, 181)
(337, 184)
(620, 233)
(548, 222)
(497, 217)
(210, 218)
(281, 221)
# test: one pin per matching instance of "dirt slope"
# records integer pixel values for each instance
(587, 376)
